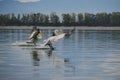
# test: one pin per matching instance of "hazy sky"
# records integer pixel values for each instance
(59, 6)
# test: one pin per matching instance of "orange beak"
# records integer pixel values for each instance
(42, 33)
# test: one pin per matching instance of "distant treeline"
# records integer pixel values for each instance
(66, 19)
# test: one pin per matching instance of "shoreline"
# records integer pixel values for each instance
(62, 27)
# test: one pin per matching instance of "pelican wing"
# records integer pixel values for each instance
(54, 39)
(39, 36)
(33, 34)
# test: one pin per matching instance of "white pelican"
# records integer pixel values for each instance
(51, 40)
(35, 36)
(58, 32)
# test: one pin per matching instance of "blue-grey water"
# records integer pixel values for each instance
(86, 55)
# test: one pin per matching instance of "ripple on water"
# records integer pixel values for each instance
(86, 55)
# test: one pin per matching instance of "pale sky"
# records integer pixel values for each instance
(59, 6)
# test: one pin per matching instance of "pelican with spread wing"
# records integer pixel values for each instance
(48, 43)
(58, 32)
(57, 35)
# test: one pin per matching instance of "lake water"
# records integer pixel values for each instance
(86, 55)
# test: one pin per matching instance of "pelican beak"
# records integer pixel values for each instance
(41, 33)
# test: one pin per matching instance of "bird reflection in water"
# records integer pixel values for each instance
(49, 53)
(37, 54)
(58, 62)
(35, 57)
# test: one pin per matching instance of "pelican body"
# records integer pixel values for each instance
(47, 44)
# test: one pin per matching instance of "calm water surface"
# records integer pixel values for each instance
(86, 55)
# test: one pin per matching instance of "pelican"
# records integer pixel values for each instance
(57, 35)
(58, 32)
(48, 43)
(35, 36)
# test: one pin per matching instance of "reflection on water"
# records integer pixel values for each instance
(38, 54)
(86, 55)
(35, 57)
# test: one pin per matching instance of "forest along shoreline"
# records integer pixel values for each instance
(63, 27)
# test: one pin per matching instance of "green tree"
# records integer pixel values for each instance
(102, 19)
(115, 19)
(80, 19)
(46, 20)
(54, 19)
(89, 19)
(66, 19)
(73, 19)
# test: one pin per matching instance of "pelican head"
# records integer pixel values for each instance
(57, 32)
